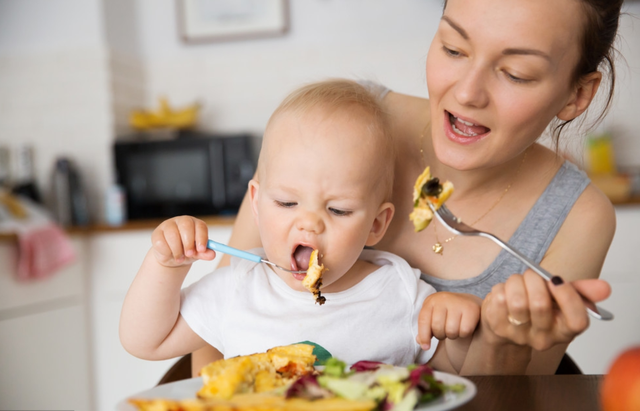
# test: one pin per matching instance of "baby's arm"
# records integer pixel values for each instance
(150, 324)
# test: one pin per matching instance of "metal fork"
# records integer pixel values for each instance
(456, 226)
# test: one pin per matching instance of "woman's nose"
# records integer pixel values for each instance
(311, 222)
(471, 89)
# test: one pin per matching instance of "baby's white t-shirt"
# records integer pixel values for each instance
(246, 308)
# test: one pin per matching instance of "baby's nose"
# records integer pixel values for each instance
(311, 222)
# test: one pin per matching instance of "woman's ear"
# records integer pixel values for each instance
(581, 97)
(380, 224)
(253, 197)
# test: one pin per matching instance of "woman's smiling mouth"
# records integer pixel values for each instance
(463, 131)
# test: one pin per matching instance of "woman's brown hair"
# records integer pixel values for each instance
(597, 51)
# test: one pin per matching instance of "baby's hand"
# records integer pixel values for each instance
(181, 241)
(448, 315)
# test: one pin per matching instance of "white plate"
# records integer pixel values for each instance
(450, 400)
(185, 389)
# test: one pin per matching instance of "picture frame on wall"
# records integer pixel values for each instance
(201, 21)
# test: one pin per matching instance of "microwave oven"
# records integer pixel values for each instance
(194, 174)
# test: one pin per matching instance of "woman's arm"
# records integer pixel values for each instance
(552, 313)
(502, 346)
(577, 253)
(244, 236)
(549, 315)
(499, 346)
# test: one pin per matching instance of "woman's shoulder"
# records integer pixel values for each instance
(586, 234)
(594, 211)
(592, 208)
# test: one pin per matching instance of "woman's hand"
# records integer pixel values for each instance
(180, 241)
(527, 310)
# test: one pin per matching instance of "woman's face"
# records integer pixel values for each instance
(498, 72)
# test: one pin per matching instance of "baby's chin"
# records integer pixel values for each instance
(291, 281)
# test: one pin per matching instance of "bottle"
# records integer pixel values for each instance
(115, 205)
(25, 180)
(79, 206)
(61, 194)
(5, 166)
(600, 154)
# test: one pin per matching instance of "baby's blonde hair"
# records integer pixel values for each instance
(339, 94)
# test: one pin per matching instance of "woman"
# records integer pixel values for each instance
(499, 72)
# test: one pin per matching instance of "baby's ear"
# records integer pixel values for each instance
(253, 197)
(380, 224)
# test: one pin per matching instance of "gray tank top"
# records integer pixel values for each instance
(532, 238)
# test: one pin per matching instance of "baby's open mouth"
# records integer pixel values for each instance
(300, 258)
(465, 128)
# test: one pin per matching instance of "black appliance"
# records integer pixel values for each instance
(195, 174)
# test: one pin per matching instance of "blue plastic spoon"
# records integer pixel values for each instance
(223, 248)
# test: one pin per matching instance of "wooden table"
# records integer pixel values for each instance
(535, 393)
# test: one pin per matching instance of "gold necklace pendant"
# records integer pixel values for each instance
(437, 248)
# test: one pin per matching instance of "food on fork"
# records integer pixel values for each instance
(313, 279)
(257, 373)
(428, 190)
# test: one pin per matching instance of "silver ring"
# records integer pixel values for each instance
(515, 322)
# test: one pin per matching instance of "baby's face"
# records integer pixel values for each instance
(317, 190)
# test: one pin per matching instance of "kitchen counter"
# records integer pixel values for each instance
(210, 220)
(130, 225)
(147, 224)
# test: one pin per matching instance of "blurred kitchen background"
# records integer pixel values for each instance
(71, 74)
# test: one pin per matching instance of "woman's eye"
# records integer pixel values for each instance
(515, 79)
(286, 204)
(340, 213)
(452, 53)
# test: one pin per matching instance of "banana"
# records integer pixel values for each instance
(165, 116)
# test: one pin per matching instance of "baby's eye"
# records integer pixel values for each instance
(286, 204)
(338, 212)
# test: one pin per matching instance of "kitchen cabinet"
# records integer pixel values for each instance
(63, 331)
(44, 337)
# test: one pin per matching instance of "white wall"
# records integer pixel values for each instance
(623, 117)
(54, 91)
(49, 26)
(71, 70)
(241, 82)
(127, 77)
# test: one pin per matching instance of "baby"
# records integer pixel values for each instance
(324, 182)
